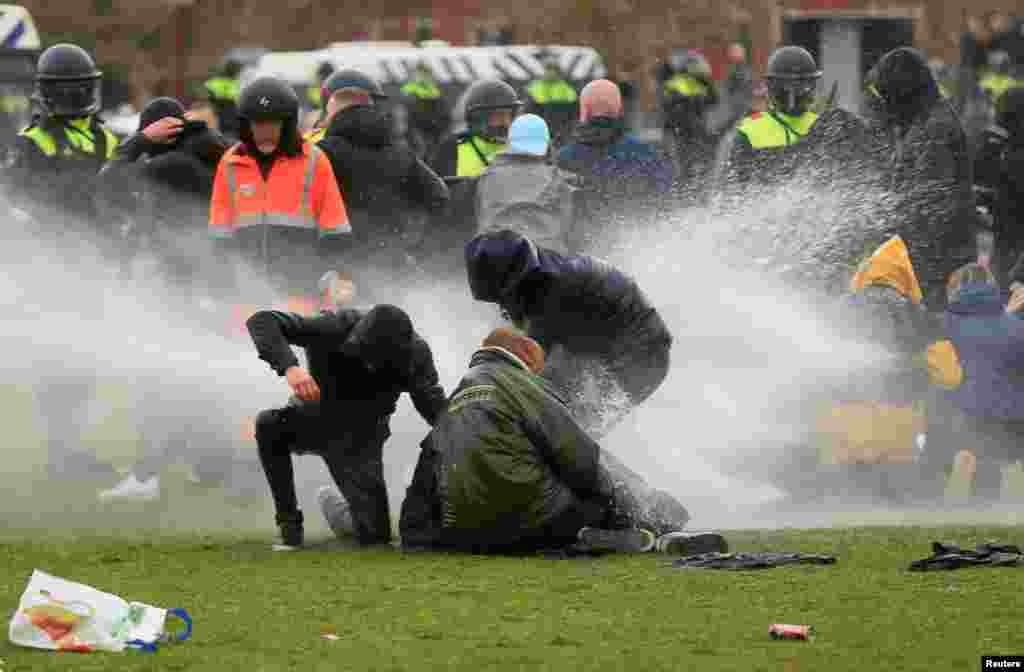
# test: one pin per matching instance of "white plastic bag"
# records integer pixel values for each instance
(61, 615)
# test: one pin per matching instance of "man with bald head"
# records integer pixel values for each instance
(620, 173)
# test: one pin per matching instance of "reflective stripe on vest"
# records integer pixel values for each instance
(545, 92)
(305, 220)
(768, 131)
(997, 85)
(422, 89)
(79, 136)
(474, 155)
(222, 88)
(686, 86)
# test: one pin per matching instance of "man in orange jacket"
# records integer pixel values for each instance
(275, 198)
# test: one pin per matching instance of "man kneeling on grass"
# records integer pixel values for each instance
(362, 361)
(507, 469)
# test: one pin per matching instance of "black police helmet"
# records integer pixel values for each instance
(351, 79)
(67, 82)
(792, 80)
(485, 97)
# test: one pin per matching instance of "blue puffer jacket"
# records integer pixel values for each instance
(990, 345)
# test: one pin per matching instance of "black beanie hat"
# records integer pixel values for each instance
(158, 108)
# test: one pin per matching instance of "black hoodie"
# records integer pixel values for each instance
(381, 183)
(585, 305)
(163, 193)
(930, 202)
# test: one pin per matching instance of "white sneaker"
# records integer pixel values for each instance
(336, 512)
(132, 488)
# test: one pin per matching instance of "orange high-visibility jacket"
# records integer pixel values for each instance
(300, 192)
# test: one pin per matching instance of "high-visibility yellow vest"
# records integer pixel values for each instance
(546, 92)
(995, 85)
(774, 129)
(475, 154)
(422, 89)
(224, 88)
(686, 86)
(313, 95)
(79, 135)
(315, 136)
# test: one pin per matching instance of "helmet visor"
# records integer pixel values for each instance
(77, 98)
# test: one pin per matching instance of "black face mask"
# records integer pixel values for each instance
(793, 98)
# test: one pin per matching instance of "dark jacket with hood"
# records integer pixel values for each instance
(382, 184)
(509, 458)
(999, 171)
(585, 305)
(990, 345)
(351, 394)
(929, 200)
(620, 174)
(161, 194)
(524, 193)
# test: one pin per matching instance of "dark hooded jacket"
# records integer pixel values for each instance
(999, 172)
(160, 194)
(350, 392)
(585, 305)
(382, 184)
(621, 176)
(929, 201)
(507, 459)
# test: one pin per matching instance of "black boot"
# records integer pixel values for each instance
(290, 525)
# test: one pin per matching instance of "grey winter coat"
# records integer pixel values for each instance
(525, 194)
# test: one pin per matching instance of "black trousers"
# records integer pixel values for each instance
(354, 458)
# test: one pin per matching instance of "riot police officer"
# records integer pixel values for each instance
(792, 83)
(491, 107)
(57, 157)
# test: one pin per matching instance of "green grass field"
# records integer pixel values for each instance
(257, 610)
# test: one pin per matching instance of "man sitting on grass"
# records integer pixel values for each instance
(507, 469)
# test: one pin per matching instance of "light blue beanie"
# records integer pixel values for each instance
(529, 134)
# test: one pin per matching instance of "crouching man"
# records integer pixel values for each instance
(359, 364)
(507, 469)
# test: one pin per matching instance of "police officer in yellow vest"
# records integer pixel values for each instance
(491, 107)
(223, 92)
(314, 95)
(57, 157)
(793, 78)
(554, 100)
(427, 111)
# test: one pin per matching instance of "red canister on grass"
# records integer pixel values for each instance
(784, 631)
